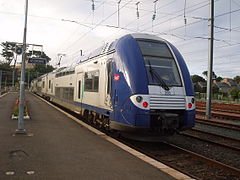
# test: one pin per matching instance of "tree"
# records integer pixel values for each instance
(38, 70)
(235, 93)
(205, 73)
(197, 78)
(5, 66)
(42, 69)
(7, 51)
(237, 79)
(219, 79)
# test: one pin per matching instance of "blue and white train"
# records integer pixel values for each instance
(139, 83)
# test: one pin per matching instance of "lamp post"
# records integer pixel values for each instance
(210, 60)
(119, 12)
(21, 129)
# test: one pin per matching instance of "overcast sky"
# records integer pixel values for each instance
(49, 25)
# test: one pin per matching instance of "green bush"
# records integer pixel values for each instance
(16, 110)
(235, 93)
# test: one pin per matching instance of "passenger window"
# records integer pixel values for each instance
(91, 80)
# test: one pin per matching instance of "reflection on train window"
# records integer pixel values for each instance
(91, 81)
(165, 68)
(160, 64)
(154, 48)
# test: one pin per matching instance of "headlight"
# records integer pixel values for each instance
(139, 99)
(193, 100)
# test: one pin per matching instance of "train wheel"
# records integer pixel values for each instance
(106, 126)
(85, 115)
(90, 118)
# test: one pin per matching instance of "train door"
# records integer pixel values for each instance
(108, 91)
(79, 89)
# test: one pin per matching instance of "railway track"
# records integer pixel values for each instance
(213, 138)
(235, 108)
(203, 108)
(220, 114)
(222, 111)
(186, 161)
(218, 123)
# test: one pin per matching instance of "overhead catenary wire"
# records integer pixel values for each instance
(97, 25)
(169, 23)
(206, 38)
(166, 14)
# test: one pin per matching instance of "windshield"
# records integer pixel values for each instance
(158, 58)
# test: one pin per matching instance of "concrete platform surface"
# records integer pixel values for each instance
(60, 148)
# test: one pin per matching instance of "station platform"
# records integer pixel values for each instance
(58, 148)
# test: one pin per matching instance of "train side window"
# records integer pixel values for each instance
(95, 83)
(88, 82)
(109, 74)
(70, 94)
(57, 92)
(91, 81)
(52, 88)
(79, 89)
(49, 84)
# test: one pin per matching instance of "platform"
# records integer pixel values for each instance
(58, 148)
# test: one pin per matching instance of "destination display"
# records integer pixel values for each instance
(37, 60)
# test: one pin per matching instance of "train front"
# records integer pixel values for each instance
(152, 87)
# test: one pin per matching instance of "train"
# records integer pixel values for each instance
(137, 84)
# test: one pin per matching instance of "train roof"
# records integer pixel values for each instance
(146, 36)
(110, 46)
(107, 47)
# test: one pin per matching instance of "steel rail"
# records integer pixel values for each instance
(209, 141)
(219, 109)
(219, 124)
(221, 114)
(214, 162)
(219, 135)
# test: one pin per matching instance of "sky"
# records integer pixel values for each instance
(68, 26)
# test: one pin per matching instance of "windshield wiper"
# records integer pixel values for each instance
(155, 75)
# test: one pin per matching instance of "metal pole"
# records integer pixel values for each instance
(28, 78)
(119, 11)
(210, 60)
(21, 129)
(13, 80)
